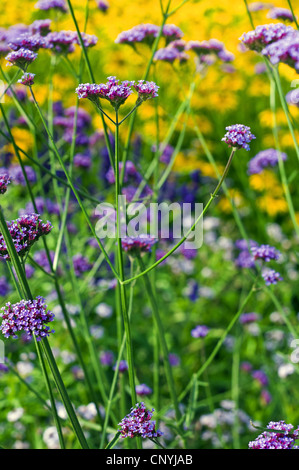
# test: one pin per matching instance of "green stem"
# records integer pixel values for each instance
(52, 400)
(162, 340)
(153, 51)
(294, 16)
(121, 349)
(26, 293)
(213, 196)
(72, 185)
(281, 166)
(220, 342)
(285, 108)
(124, 309)
(91, 75)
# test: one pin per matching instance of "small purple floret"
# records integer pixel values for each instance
(30, 316)
(238, 136)
(138, 423)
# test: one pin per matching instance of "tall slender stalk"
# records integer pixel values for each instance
(184, 238)
(162, 340)
(72, 185)
(44, 342)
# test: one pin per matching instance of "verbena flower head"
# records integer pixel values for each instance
(146, 33)
(143, 33)
(62, 42)
(238, 136)
(25, 231)
(89, 40)
(4, 181)
(265, 252)
(145, 90)
(81, 264)
(264, 159)
(170, 54)
(263, 35)
(138, 423)
(114, 91)
(16, 172)
(171, 33)
(260, 377)
(200, 331)
(47, 5)
(284, 51)
(248, 317)
(281, 14)
(21, 58)
(138, 245)
(122, 367)
(33, 42)
(41, 27)
(102, 5)
(292, 97)
(284, 438)
(212, 46)
(29, 316)
(143, 389)
(27, 79)
(271, 277)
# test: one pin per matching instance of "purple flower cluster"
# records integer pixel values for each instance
(138, 423)
(143, 389)
(32, 42)
(4, 181)
(271, 277)
(292, 97)
(114, 91)
(248, 317)
(4, 286)
(284, 438)
(81, 264)
(30, 316)
(41, 27)
(139, 244)
(82, 161)
(200, 331)
(18, 177)
(122, 367)
(146, 33)
(170, 54)
(238, 136)
(46, 5)
(41, 258)
(25, 231)
(166, 152)
(212, 46)
(65, 118)
(64, 42)
(263, 35)
(42, 205)
(263, 159)
(281, 14)
(265, 252)
(285, 50)
(117, 92)
(102, 5)
(27, 79)
(130, 172)
(145, 90)
(21, 58)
